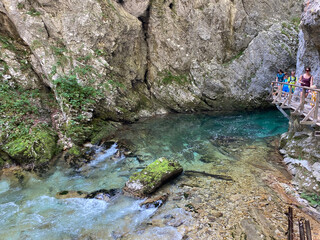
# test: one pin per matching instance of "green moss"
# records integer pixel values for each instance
(78, 132)
(154, 173)
(312, 198)
(36, 44)
(38, 146)
(75, 151)
(169, 78)
(20, 6)
(33, 12)
(237, 56)
(102, 129)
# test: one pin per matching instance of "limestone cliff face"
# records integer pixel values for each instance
(309, 44)
(227, 51)
(72, 62)
(155, 56)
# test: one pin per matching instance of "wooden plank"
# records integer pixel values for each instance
(301, 230)
(299, 105)
(308, 115)
(308, 230)
(290, 224)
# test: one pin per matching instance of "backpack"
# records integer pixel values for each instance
(292, 80)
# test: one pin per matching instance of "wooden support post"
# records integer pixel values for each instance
(316, 110)
(301, 229)
(279, 93)
(300, 108)
(290, 224)
(290, 94)
(303, 99)
(308, 115)
(308, 230)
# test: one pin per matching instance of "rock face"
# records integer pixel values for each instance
(309, 43)
(152, 177)
(301, 153)
(126, 59)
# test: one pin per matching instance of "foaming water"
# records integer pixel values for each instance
(30, 210)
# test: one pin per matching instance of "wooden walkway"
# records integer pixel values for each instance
(299, 103)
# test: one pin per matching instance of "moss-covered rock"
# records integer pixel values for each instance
(152, 177)
(38, 147)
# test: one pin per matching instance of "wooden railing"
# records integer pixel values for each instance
(298, 102)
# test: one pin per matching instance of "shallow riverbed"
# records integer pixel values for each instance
(199, 206)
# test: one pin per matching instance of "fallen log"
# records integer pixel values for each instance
(221, 177)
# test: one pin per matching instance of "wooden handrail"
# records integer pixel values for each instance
(285, 83)
(310, 109)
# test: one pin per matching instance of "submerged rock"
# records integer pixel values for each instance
(102, 194)
(152, 177)
(71, 194)
(156, 201)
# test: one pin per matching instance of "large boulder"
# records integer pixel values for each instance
(38, 147)
(152, 177)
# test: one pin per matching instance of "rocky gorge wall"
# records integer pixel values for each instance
(67, 66)
(300, 145)
(309, 43)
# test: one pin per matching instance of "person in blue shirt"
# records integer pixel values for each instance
(280, 76)
(285, 87)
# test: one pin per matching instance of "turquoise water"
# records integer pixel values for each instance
(30, 210)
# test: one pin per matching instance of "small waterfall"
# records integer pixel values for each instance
(105, 154)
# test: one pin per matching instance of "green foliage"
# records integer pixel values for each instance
(169, 78)
(237, 56)
(99, 52)
(312, 198)
(33, 12)
(4, 68)
(7, 43)
(296, 22)
(20, 6)
(35, 44)
(78, 132)
(78, 96)
(110, 84)
(16, 107)
(59, 52)
(24, 64)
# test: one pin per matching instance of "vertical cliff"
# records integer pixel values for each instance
(309, 42)
(75, 63)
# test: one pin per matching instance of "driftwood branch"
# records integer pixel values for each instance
(222, 177)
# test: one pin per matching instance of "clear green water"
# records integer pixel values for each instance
(29, 210)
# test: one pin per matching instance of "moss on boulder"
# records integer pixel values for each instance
(38, 147)
(152, 177)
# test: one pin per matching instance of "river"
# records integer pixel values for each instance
(241, 146)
